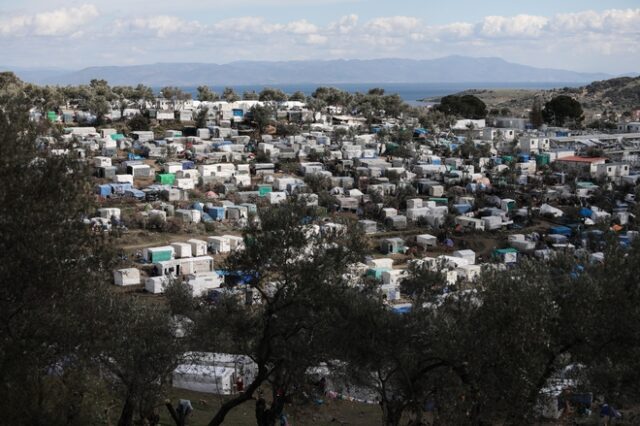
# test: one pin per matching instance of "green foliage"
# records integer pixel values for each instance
(262, 116)
(275, 95)
(536, 117)
(200, 118)
(332, 96)
(139, 349)
(175, 93)
(230, 95)
(435, 120)
(250, 95)
(138, 123)
(287, 129)
(563, 110)
(50, 347)
(316, 105)
(206, 94)
(298, 96)
(465, 106)
(57, 262)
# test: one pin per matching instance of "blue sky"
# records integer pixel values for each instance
(584, 35)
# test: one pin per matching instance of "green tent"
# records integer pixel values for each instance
(166, 178)
(263, 190)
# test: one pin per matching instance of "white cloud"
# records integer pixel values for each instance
(513, 26)
(316, 39)
(454, 30)
(247, 24)
(14, 25)
(609, 21)
(344, 25)
(392, 24)
(60, 22)
(301, 27)
(161, 26)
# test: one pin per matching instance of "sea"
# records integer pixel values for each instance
(412, 93)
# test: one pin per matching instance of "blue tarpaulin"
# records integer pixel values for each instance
(120, 188)
(401, 309)
(206, 218)
(560, 230)
(103, 190)
(585, 212)
(135, 193)
(216, 213)
(463, 208)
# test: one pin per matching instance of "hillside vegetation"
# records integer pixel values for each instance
(617, 94)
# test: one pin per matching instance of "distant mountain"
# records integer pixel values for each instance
(37, 75)
(451, 69)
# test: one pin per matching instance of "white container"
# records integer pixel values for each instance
(126, 277)
(182, 250)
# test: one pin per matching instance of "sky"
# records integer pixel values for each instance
(580, 35)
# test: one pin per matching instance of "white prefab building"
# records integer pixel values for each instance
(235, 242)
(414, 203)
(172, 167)
(201, 283)
(492, 222)
(389, 211)
(128, 276)
(276, 197)
(185, 266)
(182, 249)
(200, 373)
(198, 247)
(140, 170)
(219, 244)
(426, 240)
(416, 213)
(470, 223)
(468, 272)
(101, 161)
(123, 179)
(109, 212)
(204, 378)
(534, 144)
(492, 133)
(185, 183)
(468, 255)
(390, 291)
(156, 285)
(612, 170)
(382, 263)
(393, 276)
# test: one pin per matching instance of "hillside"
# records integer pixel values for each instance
(451, 69)
(617, 94)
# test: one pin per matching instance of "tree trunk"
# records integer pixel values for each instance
(126, 417)
(234, 402)
(392, 413)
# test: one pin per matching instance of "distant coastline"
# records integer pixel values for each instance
(412, 93)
